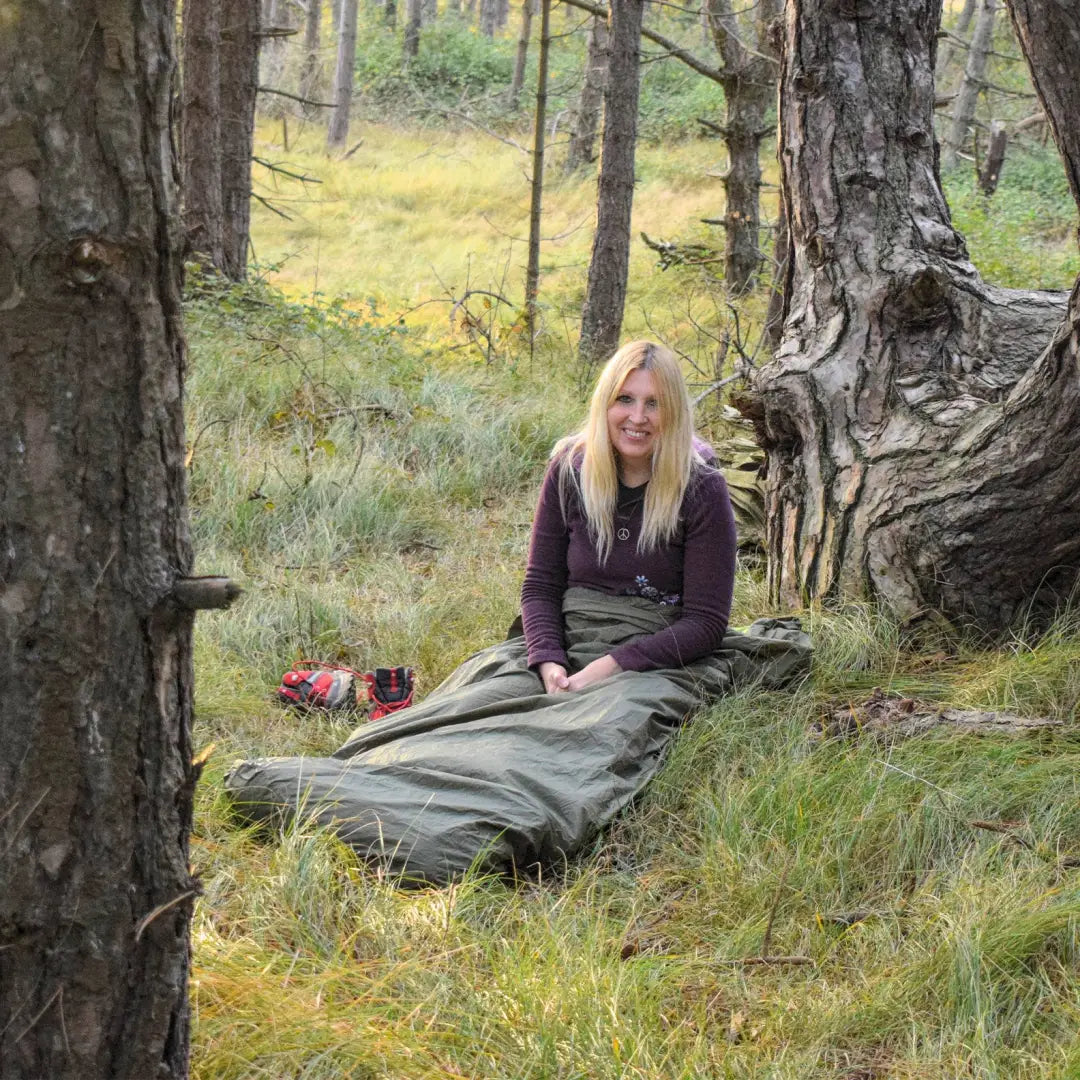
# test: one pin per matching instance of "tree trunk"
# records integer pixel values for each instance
(239, 82)
(532, 271)
(587, 116)
(201, 131)
(275, 16)
(921, 440)
(389, 13)
(749, 81)
(522, 57)
(311, 73)
(95, 760)
(413, 18)
(945, 58)
(974, 76)
(605, 296)
(488, 13)
(343, 79)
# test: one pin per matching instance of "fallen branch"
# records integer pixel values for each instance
(890, 717)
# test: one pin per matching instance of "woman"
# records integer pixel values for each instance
(630, 507)
(531, 746)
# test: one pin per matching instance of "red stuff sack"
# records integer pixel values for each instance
(331, 687)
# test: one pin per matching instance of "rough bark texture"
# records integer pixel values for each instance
(591, 101)
(239, 82)
(201, 131)
(605, 297)
(982, 41)
(921, 438)
(749, 81)
(338, 131)
(95, 770)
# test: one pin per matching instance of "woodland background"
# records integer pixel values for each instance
(797, 895)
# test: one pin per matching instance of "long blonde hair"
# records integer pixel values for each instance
(597, 479)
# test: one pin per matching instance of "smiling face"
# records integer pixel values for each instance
(633, 420)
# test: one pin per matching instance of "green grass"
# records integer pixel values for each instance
(372, 487)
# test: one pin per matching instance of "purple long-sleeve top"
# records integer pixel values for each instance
(694, 572)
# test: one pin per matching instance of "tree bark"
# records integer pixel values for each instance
(413, 18)
(201, 131)
(311, 73)
(275, 16)
(343, 80)
(967, 13)
(982, 41)
(518, 80)
(922, 441)
(749, 81)
(239, 83)
(532, 271)
(488, 14)
(605, 296)
(591, 101)
(95, 762)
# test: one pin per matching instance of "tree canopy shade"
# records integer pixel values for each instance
(921, 425)
(95, 762)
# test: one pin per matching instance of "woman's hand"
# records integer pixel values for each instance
(553, 677)
(593, 673)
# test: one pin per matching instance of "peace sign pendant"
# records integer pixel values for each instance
(623, 534)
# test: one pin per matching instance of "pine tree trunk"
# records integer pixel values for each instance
(343, 78)
(922, 440)
(532, 270)
(749, 89)
(95, 760)
(311, 74)
(605, 297)
(272, 59)
(201, 131)
(520, 61)
(945, 57)
(974, 76)
(239, 82)
(591, 101)
(413, 18)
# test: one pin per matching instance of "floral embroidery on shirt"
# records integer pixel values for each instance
(641, 587)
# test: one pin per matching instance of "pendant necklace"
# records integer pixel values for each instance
(625, 507)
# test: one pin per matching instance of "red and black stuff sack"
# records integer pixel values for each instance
(389, 689)
(328, 687)
(311, 684)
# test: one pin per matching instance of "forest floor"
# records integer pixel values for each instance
(786, 900)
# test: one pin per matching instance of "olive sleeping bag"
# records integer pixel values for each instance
(491, 771)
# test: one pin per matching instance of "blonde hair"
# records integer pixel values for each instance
(597, 480)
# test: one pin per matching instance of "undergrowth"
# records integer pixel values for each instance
(777, 904)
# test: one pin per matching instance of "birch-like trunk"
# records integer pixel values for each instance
(922, 427)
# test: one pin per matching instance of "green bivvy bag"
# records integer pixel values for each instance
(491, 772)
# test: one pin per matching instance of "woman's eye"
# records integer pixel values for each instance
(624, 399)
